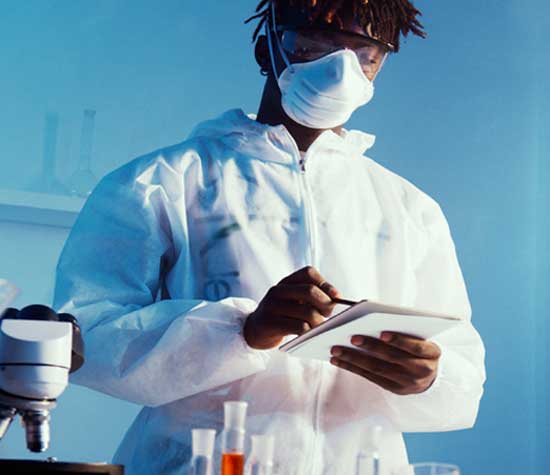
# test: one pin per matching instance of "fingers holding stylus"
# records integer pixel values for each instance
(299, 302)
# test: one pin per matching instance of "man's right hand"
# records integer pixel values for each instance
(298, 303)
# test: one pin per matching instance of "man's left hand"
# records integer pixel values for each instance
(400, 363)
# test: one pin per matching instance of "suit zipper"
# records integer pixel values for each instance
(310, 214)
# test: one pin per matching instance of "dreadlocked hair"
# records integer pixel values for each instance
(385, 20)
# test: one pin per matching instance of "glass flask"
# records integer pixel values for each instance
(83, 180)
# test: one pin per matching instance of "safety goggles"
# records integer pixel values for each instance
(311, 43)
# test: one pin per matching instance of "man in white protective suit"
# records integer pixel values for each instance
(188, 267)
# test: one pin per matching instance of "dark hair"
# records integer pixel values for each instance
(384, 20)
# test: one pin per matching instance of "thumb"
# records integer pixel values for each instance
(330, 290)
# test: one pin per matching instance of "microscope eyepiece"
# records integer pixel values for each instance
(45, 313)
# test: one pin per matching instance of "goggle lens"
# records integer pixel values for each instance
(311, 45)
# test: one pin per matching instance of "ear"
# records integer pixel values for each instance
(261, 53)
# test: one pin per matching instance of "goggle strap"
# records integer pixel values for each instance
(273, 28)
(268, 34)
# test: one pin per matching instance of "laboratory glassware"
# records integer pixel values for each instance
(8, 292)
(260, 460)
(233, 438)
(368, 460)
(46, 181)
(83, 180)
(428, 468)
(203, 449)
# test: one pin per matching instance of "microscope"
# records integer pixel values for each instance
(38, 350)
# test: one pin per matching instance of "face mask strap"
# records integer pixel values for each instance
(272, 29)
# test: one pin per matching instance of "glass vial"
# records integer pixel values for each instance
(368, 460)
(233, 438)
(203, 449)
(260, 461)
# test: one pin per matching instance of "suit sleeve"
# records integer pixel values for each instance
(452, 401)
(138, 348)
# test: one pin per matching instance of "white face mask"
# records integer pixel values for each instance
(322, 94)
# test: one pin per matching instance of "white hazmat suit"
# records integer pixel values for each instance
(173, 250)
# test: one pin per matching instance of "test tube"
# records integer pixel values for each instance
(233, 438)
(368, 460)
(203, 448)
(260, 461)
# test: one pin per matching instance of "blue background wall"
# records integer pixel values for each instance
(463, 115)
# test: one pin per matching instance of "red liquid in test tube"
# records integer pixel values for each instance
(233, 438)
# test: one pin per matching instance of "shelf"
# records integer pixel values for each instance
(39, 208)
